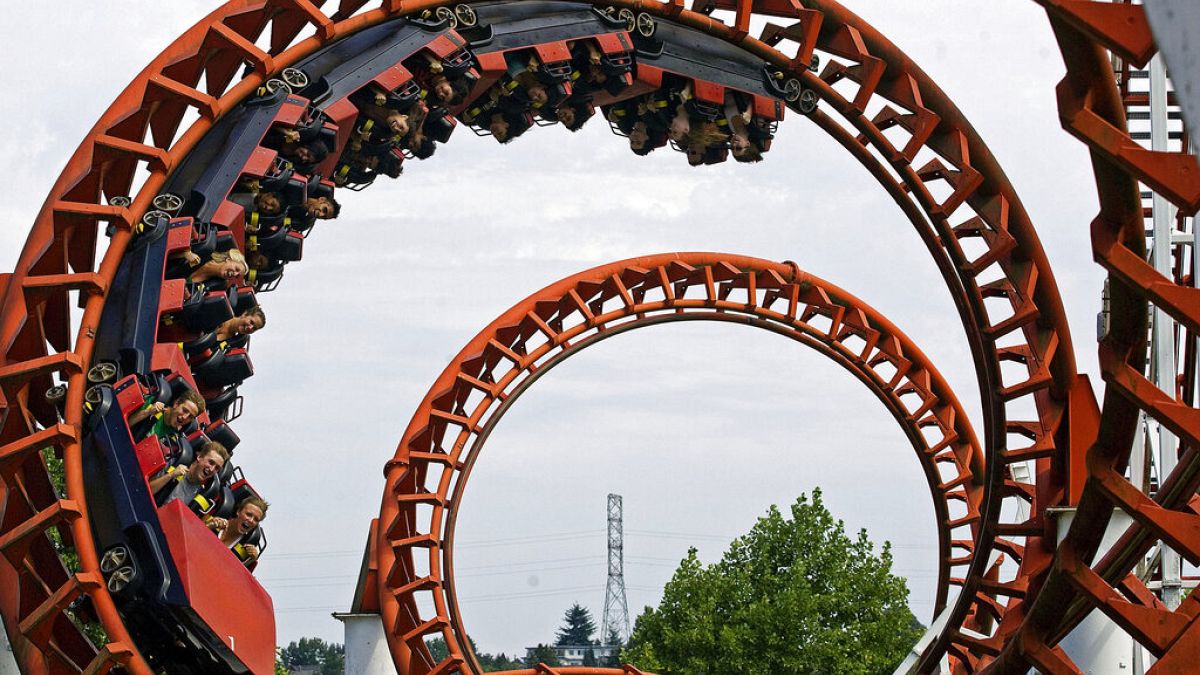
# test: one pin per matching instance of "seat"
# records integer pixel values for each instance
(204, 239)
(223, 404)
(266, 238)
(243, 299)
(241, 487)
(199, 346)
(555, 73)
(288, 248)
(457, 62)
(403, 98)
(266, 279)
(203, 310)
(225, 503)
(221, 432)
(223, 368)
(278, 176)
(439, 125)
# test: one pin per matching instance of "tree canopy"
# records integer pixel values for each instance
(578, 627)
(489, 662)
(329, 656)
(795, 595)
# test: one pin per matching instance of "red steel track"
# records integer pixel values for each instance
(931, 162)
(434, 460)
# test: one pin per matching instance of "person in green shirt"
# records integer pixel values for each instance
(168, 420)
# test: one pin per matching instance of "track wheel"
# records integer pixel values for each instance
(120, 200)
(646, 25)
(114, 558)
(56, 395)
(295, 78)
(792, 90)
(150, 219)
(628, 17)
(466, 16)
(121, 579)
(168, 202)
(808, 102)
(275, 84)
(445, 14)
(102, 372)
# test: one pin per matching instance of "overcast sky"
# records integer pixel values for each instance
(700, 426)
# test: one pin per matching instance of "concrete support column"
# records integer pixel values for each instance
(366, 646)
(1098, 646)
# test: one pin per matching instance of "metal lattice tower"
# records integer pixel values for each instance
(616, 610)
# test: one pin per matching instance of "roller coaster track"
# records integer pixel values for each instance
(931, 162)
(435, 458)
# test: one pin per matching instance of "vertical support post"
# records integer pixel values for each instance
(1163, 348)
(366, 645)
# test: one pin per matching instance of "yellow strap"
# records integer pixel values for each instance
(251, 275)
(203, 502)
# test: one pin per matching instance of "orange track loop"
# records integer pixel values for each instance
(433, 462)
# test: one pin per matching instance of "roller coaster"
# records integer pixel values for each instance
(298, 102)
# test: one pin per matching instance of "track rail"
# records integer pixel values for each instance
(1089, 34)
(434, 460)
(931, 162)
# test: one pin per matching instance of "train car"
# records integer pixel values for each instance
(192, 606)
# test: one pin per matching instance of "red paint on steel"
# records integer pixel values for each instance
(220, 589)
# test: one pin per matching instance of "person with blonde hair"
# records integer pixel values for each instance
(221, 265)
(237, 532)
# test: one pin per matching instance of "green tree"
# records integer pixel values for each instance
(489, 663)
(500, 661)
(795, 595)
(329, 656)
(542, 654)
(578, 627)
